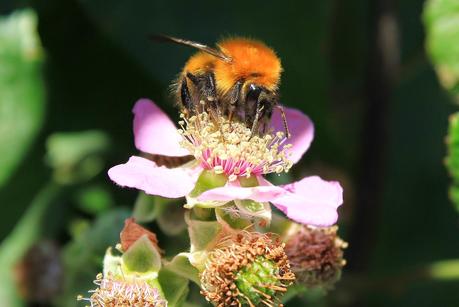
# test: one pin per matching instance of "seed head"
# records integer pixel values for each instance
(247, 269)
(113, 293)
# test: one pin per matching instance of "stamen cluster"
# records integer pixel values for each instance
(316, 255)
(111, 293)
(247, 269)
(230, 147)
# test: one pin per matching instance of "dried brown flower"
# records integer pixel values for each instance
(132, 232)
(316, 255)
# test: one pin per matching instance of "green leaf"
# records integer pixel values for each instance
(452, 160)
(22, 97)
(142, 256)
(83, 256)
(94, 199)
(441, 18)
(445, 269)
(26, 232)
(76, 156)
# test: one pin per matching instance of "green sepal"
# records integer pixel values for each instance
(142, 257)
(115, 266)
(202, 233)
(112, 264)
(203, 236)
(257, 212)
(234, 221)
(182, 266)
(147, 208)
(175, 288)
(281, 226)
(241, 214)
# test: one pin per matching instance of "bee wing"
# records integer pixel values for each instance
(215, 52)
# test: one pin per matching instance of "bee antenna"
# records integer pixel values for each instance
(162, 38)
(170, 39)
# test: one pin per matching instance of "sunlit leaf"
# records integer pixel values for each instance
(452, 160)
(26, 232)
(22, 102)
(94, 199)
(76, 156)
(441, 18)
(84, 255)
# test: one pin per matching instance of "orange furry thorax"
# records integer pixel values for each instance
(251, 60)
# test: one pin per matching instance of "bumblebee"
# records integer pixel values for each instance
(238, 79)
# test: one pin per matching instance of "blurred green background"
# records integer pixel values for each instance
(71, 70)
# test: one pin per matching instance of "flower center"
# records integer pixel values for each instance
(231, 148)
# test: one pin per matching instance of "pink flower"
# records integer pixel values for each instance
(310, 201)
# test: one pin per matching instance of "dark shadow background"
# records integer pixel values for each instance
(357, 68)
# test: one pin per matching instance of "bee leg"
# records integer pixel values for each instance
(234, 95)
(263, 111)
(266, 117)
(210, 92)
(255, 127)
(205, 83)
(209, 89)
(284, 120)
(186, 97)
(195, 80)
(251, 104)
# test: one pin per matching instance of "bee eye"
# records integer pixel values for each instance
(253, 93)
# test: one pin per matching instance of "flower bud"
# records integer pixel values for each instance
(246, 269)
(316, 256)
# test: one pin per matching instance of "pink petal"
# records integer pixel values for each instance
(311, 201)
(145, 175)
(261, 193)
(301, 129)
(154, 132)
